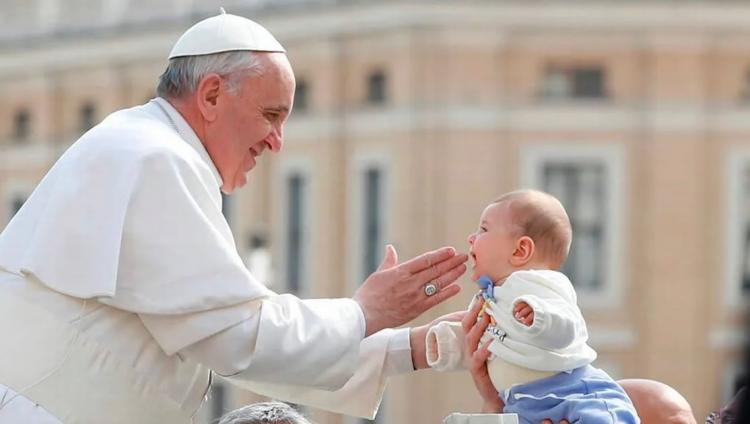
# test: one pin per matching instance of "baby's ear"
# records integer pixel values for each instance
(524, 251)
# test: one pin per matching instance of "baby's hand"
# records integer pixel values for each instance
(523, 313)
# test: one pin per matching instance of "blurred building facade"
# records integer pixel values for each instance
(411, 116)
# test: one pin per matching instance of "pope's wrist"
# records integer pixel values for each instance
(418, 350)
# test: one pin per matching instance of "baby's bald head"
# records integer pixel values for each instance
(541, 217)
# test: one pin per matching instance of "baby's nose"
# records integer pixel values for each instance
(471, 238)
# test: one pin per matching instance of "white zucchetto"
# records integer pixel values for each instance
(223, 33)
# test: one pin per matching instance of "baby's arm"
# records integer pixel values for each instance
(523, 313)
(549, 323)
(446, 346)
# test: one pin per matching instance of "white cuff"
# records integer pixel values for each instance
(398, 357)
(362, 321)
(444, 346)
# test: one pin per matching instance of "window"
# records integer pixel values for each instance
(368, 228)
(259, 259)
(226, 208)
(87, 116)
(367, 214)
(295, 231)
(734, 378)
(16, 203)
(301, 96)
(372, 209)
(745, 94)
(22, 125)
(745, 232)
(580, 187)
(574, 83)
(588, 180)
(738, 229)
(376, 88)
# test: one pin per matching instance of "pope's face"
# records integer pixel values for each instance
(251, 121)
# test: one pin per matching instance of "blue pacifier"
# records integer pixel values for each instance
(486, 285)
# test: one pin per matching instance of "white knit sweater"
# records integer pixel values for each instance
(555, 342)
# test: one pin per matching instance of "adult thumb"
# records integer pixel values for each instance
(390, 259)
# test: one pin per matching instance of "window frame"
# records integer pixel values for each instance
(570, 72)
(289, 168)
(383, 96)
(87, 107)
(13, 191)
(28, 124)
(533, 159)
(302, 102)
(359, 165)
(737, 161)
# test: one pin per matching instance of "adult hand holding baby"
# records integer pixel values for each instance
(477, 356)
(474, 328)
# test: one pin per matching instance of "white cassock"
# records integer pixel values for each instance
(121, 289)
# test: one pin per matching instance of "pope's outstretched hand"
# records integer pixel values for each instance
(397, 293)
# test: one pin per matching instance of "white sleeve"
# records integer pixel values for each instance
(446, 343)
(381, 355)
(445, 346)
(557, 323)
(280, 339)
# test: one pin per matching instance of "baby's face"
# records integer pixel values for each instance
(493, 244)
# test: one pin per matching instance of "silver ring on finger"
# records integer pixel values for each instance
(430, 288)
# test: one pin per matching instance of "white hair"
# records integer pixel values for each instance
(183, 74)
(264, 413)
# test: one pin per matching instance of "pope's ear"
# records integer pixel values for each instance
(207, 96)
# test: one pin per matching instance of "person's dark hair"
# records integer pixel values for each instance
(264, 413)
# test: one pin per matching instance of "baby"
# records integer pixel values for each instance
(540, 361)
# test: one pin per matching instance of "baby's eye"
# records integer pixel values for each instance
(482, 229)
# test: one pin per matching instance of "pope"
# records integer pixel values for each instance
(121, 289)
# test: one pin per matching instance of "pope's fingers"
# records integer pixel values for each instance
(441, 296)
(440, 268)
(426, 260)
(450, 276)
(390, 259)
